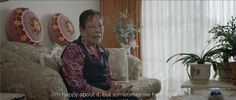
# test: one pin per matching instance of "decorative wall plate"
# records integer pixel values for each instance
(24, 26)
(61, 29)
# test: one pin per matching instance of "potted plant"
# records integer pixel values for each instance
(225, 35)
(126, 32)
(224, 69)
(199, 64)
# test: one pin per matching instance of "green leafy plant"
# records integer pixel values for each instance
(126, 30)
(225, 35)
(205, 57)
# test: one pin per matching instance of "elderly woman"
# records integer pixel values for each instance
(85, 62)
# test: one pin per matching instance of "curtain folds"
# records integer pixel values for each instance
(170, 27)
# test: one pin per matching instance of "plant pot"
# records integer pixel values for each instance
(225, 72)
(200, 73)
(233, 67)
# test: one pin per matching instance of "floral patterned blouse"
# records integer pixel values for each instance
(73, 64)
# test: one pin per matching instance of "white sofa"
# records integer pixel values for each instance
(34, 72)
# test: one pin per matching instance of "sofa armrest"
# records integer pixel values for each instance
(35, 81)
(143, 88)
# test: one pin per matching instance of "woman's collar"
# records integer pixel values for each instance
(86, 43)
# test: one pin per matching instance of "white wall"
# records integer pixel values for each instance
(44, 9)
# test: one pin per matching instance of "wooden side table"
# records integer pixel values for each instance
(12, 96)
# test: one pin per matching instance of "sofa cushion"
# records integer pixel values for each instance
(26, 51)
(9, 56)
(36, 81)
(38, 54)
(118, 63)
(135, 67)
(52, 59)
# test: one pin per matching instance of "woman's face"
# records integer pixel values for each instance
(93, 31)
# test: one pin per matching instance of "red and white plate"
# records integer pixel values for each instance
(24, 26)
(61, 29)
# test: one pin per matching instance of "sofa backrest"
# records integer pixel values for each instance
(124, 67)
(41, 55)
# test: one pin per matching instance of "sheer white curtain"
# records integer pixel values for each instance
(170, 27)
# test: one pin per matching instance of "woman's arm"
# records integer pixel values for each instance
(73, 61)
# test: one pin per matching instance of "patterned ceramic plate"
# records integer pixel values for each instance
(24, 26)
(61, 29)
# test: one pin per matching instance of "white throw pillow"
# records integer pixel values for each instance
(118, 63)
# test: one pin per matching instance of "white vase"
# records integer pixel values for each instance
(127, 49)
(200, 72)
